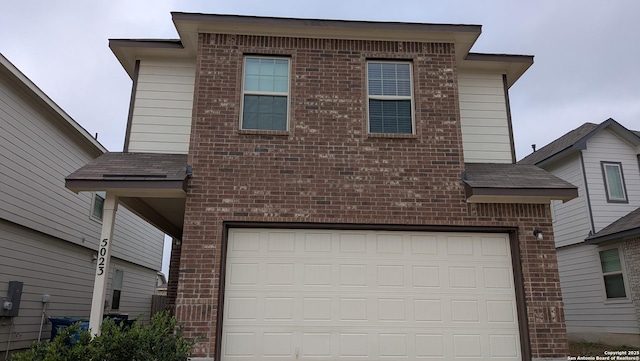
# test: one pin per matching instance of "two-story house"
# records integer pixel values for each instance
(48, 235)
(597, 234)
(339, 190)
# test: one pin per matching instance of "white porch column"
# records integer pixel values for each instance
(102, 266)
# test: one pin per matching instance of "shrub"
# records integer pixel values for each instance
(160, 340)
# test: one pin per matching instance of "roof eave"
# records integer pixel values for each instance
(189, 25)
(127, 51)
(131, 188)
(630, 233)
(513, 66)
(518, 195)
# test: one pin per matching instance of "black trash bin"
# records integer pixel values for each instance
(59, 324)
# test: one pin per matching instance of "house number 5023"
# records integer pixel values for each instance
(101, 256)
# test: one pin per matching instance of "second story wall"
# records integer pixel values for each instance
(483, 115)
(571, 223)
(607, 147)
(36, 153)
(326, 158)
(161, 121)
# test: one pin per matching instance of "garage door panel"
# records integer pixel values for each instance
(361, 295)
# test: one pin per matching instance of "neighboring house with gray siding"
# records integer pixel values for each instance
(598, 234)
(48, 234)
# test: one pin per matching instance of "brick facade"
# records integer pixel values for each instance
(328, 169)
(631, 254)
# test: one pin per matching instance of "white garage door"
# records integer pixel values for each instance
(368, 295)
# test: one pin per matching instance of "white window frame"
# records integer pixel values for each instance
(410, 97)
(250, 92)
(623, 272)
(94, 195)
(607, 187)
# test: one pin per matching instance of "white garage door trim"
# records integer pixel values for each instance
(362, 295)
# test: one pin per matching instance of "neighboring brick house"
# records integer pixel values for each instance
(350, 190)
(597, 234)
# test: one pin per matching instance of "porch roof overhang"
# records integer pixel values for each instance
(152, 185)
(514, 183)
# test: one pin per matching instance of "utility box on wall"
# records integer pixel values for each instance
(10, 305)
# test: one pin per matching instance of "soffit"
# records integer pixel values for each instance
(513, 66)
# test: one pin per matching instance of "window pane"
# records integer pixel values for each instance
(266, 75)
(252, 66)
(98, 206)
(267, 67)
(251, 82)
(282, 68)
(610, 261)
(390, 116)
(614, 182)
(264, 112)
(389, 79)
(115, 300)
(281, 84)
(614, 286)
(117, 279)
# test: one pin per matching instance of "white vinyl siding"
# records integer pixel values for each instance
(163, 106)
(36, 154)
(138, 285)
(483, 115)
(368, 295)
(585, 306)
(571, 222)
(65, 271)
(606, 146)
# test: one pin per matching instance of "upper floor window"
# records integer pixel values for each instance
(265, 99)
(614, 182)
(612, 273)
(97, 206)
(390, 97)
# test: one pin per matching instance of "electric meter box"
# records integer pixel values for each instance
(10, 305)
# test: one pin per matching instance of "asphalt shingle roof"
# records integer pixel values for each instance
(559, 144)
(625, 226)
(498, 175)
(134, 166)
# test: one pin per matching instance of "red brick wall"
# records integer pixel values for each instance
(327, 169)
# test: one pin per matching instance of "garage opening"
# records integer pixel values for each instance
(363, 295)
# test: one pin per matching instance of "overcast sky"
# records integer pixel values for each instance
(586, 66)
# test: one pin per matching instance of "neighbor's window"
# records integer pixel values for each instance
(265, 99)
(612, 273)
(117, 289)
(97, 206)
(614, 182)
(389, 91)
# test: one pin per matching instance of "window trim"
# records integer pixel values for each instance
(411, 97)
(243, 93)
(603, 166)
(623, 272)
(95, 195)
